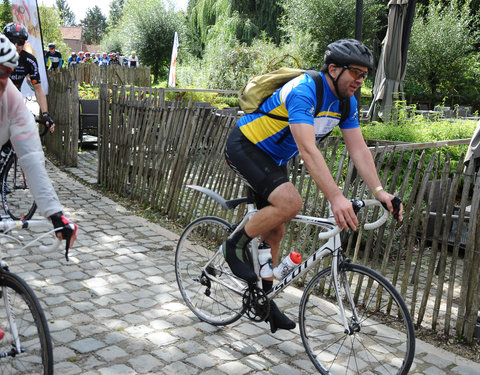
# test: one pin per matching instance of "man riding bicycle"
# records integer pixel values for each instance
(18, 125)
(259, 148)
(27, 67)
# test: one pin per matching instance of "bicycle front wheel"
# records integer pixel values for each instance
(17, 198)
(205, 281)
(26, 347)
(380, 338)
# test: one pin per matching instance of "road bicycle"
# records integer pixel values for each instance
(17, 200)
(25, 343)
(352, 320)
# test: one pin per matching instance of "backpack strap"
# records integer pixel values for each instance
(317, 78)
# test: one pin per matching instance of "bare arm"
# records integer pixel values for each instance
(342, 208)
(363, 160)
(42, 102)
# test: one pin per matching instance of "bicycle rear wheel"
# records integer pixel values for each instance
(205, 281)
(17, 198)
(382, 339)
(26, 318)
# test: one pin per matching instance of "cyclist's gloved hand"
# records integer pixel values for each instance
(397, 206)
(49, 122)
(67, 230)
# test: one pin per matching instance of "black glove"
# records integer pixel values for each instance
(68, 229)
(396, 202)
(46, 118)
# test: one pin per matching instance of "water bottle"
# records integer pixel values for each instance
(265, 261)
(286, 266)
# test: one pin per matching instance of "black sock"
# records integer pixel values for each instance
(267, 285)
(237, 257)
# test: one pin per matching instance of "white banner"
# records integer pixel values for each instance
(173, 63)
(25, 12)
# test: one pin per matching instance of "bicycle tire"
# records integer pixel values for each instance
(201, 287)
(17, 198)
(385, 342)
(37, 354)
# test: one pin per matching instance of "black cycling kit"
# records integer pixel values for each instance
(27, 65)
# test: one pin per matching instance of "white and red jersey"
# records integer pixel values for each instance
(18, 125)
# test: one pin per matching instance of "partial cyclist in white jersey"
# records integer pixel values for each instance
(18, 125)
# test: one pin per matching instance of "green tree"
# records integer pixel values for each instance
(50, 22)
(5, 13)
(248, 19)
(314, 24)
(66, 14)
(116, 12)
(94, 25)
(150, 28)
(442, 62)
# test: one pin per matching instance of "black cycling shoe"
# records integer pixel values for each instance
(278, 320)
(238, 262)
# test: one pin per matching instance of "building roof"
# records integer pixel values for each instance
(92, 48)
(72, 32)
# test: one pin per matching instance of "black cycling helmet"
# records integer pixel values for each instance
(51, 45)
(346, 52)
(15, 32)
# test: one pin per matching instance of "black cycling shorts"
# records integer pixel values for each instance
(256, 168)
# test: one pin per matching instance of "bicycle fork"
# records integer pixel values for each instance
(342, 288)
(13, 325)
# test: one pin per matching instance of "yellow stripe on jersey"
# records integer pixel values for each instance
(264, 127)
(329, 114)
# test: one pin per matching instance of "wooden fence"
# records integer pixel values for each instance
(96, 75)
(149, 153)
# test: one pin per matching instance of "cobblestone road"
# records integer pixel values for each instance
(115, 307)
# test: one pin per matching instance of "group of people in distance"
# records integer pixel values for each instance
(103, 59)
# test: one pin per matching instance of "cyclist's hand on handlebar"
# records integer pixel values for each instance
(391, 203)
(343, 211)
(48, 121)
(67, 230)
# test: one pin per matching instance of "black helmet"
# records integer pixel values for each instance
(15, 32)
(51, 45)
(346, 52)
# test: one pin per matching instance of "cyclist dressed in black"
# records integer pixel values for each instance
(27, 67)
(53, 58)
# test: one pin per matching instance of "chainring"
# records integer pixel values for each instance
(256, 304)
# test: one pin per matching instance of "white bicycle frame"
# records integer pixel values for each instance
(6, 226)
(331, 247)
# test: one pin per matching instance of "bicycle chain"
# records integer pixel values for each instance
(256, 304)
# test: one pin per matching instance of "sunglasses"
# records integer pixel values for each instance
(356, 73)
(5, 72)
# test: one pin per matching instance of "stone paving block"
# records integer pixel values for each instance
(236, 367)
(202, 361)
(145, 364)
(112, 352)
(117, 370)
(87, 345)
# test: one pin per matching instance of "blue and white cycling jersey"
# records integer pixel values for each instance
(297, 100)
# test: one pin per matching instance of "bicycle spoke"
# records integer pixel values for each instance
(378, 341)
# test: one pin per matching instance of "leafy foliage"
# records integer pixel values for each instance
(313, 24)
(51, 33)
(5, 13)
(66, 14)
(116, 12)
(94, 25)
(441, 53)
(150, 28)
